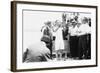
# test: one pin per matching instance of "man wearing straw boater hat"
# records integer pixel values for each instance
(73, 37)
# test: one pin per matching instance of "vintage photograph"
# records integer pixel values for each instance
(48, 36)
(56, 36)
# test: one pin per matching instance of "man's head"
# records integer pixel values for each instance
(48, 23)
(85, 20)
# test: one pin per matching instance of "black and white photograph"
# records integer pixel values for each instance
(55, 35)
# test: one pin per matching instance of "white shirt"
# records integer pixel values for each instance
(73, 30)
(84, 29)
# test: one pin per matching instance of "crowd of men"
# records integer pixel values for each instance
(76, 31)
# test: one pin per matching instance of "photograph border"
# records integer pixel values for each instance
(14, 35)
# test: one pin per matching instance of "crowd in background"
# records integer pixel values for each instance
(75, 32)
